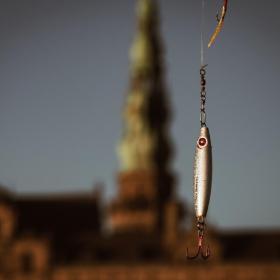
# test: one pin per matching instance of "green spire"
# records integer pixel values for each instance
(145, 144)
(141, 54)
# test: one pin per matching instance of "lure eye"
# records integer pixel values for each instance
(202, 142)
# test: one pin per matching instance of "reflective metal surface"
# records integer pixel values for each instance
(202, 173)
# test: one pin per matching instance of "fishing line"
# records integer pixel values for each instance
(202, 23)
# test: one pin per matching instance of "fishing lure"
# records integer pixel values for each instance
(202, 178)
(220, 20)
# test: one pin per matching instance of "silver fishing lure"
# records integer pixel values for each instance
(202, 179)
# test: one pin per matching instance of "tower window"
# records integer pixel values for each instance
(27, 263)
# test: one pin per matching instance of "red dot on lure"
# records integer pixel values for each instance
(202, 142)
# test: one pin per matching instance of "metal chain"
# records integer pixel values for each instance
(200, 227)
(202, 95)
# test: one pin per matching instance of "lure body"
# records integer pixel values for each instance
(202, 180)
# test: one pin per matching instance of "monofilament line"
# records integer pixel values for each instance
(202, 33)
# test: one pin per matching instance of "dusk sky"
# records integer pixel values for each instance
(64, 73)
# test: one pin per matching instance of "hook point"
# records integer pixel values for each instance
(204, 255)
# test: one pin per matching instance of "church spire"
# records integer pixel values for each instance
(145, 144)
(145, 182)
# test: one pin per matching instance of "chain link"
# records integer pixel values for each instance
(202, 96)
(200, 226)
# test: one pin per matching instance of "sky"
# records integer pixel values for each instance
(64, 73)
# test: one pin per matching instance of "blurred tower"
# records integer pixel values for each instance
(145, 182)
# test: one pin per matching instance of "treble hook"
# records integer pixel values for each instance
(220, 20)
(200, 251)
(205, 255)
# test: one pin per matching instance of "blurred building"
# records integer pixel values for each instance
(141, 233)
